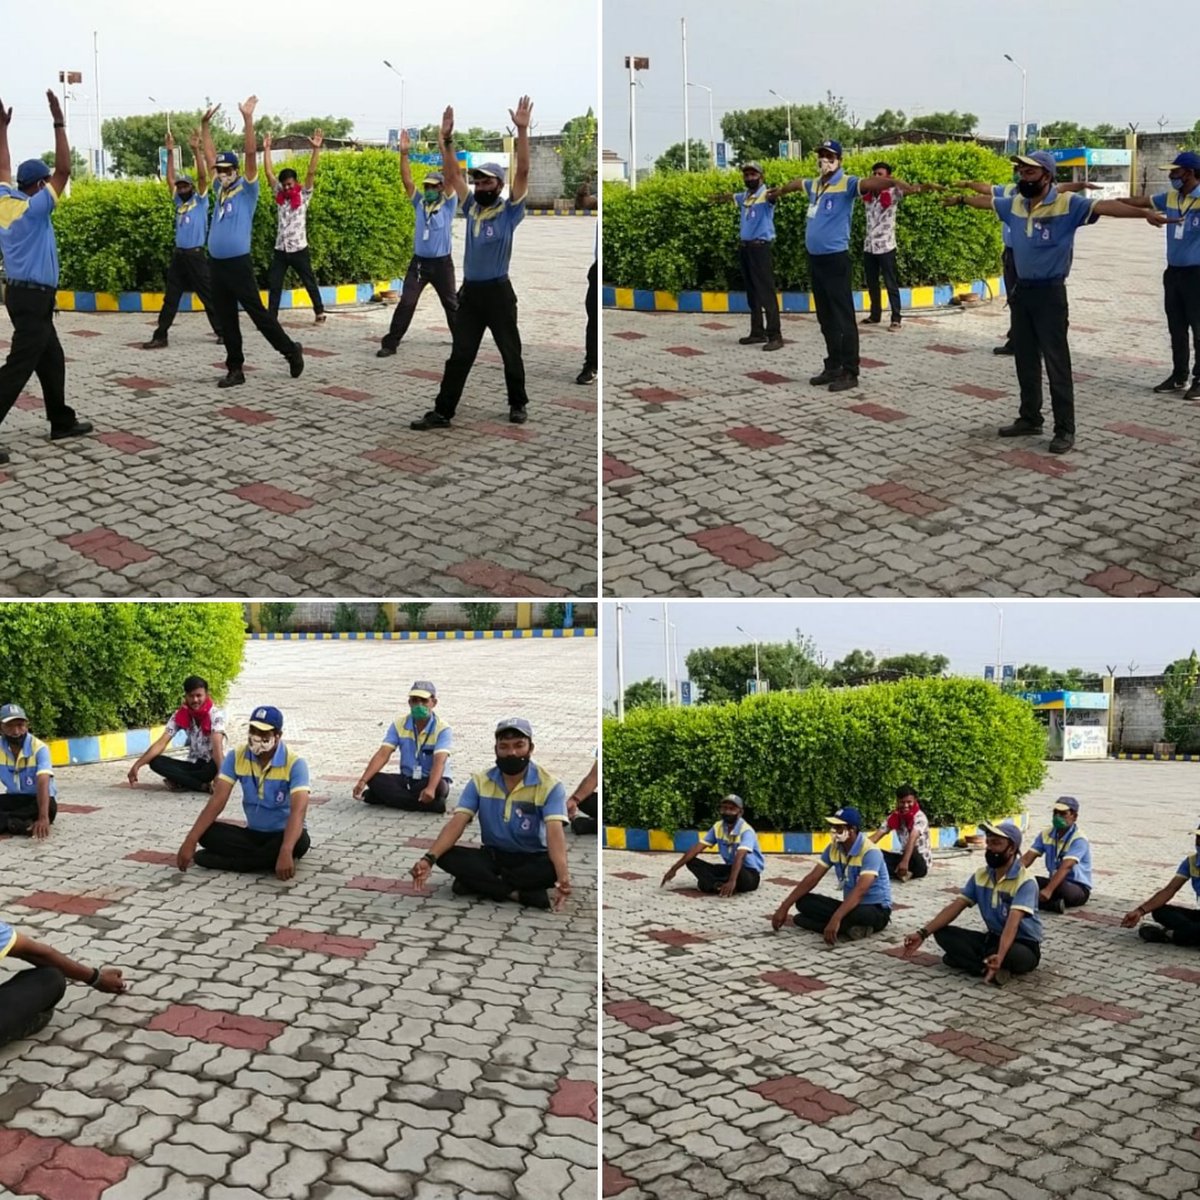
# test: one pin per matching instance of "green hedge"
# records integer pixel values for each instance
(970, 751)
(667, 236)
(83, 669)
(116, 236)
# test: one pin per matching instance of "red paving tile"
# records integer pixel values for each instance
(655, 395)
(899, 496)
(421, 373)
(501, 581)
(574, 1098)
(755, 438)
(346, 393)
(514, 433)
(877, 412)
(768, 377)
(967, 1045)
(1045, 464)
(336, 946)
(870, 363)
(63, 902)
(1144, 433)
(247, 416)
(628, 335)
(78, 808)
(1117, 581)
(590, 515)
(940, 349)
(57, 1170)
(638, 1015)
(684, 351)
(84, 332)
(1096, 1008)
(804, 1099)
(162, 857)
(980, 393)
(1098, 918)
(675, 937)
(791, 982)
(614, 468)
(129, 443)
(400, 462)
(213, 1025)
(628, 875)
(394, 887)
(313, 352)
(615, 1180)
(735, 546)
(711, 325)
(141, 383)
(29, 402)
(246, 367)
(575, 402)
(267, 496)
(921, 958)
(1185, 974)
(108, 548)
(784, 881)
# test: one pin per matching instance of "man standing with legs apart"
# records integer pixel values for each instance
(291, 240)
(233, 282)
(879, 245)
(188, 271)
(204, 724)
(486, 300)
(30, 256)
(431, 262)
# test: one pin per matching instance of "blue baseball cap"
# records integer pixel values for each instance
(514, 725)
(227, 158)
(834, 147)
(1189, 159)
(495, 170)
(1005, 829)
(1066, 804)
(183, 179)
(424, 689)
(12, 712)
(846, 816)
(434, 177)
(266, 717)
(733, 798)
(1039, 158)
(31, 170)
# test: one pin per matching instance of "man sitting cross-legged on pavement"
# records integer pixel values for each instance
(28, 804)
(522, 811)
(424, 742)
(274, 797)
(204, 725)
(911, 827)
(862, 874)
(741, 863)
(1068, 860)
(1173, 922)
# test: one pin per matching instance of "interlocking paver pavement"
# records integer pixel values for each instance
(901, 487)
(314, 486)
(313, 1040)
(728, 1073)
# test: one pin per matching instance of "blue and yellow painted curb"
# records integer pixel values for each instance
(1139, 757)
(425, 635)
(554, 212)
(106, 747)
(647, 300)
(152, 302)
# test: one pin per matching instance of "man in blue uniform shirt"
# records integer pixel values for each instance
(522, 813)
(432, 262)
(30, 256)
(1172, 922)
(862, 876)
(486, 300)
(742, 862)
(1068, 879)
(235, 199)
(424, 741)
(188, 271)
(29, 802)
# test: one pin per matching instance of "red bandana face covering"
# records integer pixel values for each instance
(884, 198)
(288, 194)
(202, 717)
(899, 820)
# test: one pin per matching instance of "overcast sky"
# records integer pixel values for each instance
(1089, 61)
(302, 58)
(1091, 634)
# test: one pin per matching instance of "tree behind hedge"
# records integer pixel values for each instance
(667, 236)
(970, 750)
(83, 669)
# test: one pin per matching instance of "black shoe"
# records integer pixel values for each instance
(76, 430)
(870, 320)
(1005, 349)
(518, 416)
(895, 327)
(431, 420)
(1001, 977)
(232, 379)
(1152, 933)
(1171, 384)
(4, 456)
(296, 361)
(536, 899)
(1057, 905)
(385, 352)
(220, 339)
(587, 375)
(826, 376)
(35, 1024)
(1193, 393)
(753, 339)
(320, 319)
(844, 382)
(1061, 443)
(155, 343)
(774, 344)
(855, 933)
(460, 889)
(1020, 428)
(19, 826)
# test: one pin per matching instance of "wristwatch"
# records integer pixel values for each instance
(95, 979)
(431, 859)
(923, 933)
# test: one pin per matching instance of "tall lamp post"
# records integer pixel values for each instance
(712, 141)
(668, 656)
(634, 64)
(401, 78)
(1024, 80)
(999, 645)
(757, 676)
(789, 113)
(620, 662)
(687, 165)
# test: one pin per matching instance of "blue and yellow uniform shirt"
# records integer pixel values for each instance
(418, 746)
(861, 857)
(266, 791)
(1004, 189)
(1190, 870)
(830, 209)
(757, 215)
(490, 238)
(27, 242)
(19, 772)
(515, 822)
(433, 225)
(8, 939)
(1069, 846)
(1043, 234)
(729, 839)
(233, 218)
(191, 221)
(998, 897)
(1183, 240)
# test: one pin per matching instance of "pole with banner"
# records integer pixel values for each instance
(685, 692)
(722, 157)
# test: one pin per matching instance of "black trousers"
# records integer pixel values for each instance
(834, 298)
(917, 866)
(758, 270)
(35, 350)
(712, 875)
(965, 950)
(188, 272)
(482, 307)
(586, 818)
(1181, 299)
(498, 873)
(1184, 923)
(873, 264)
(814, 912)
(23, 806)
(1009, 268)
(233, 283)
(1039, 334)
(591, 353)
(300, 262)
(1073, 895)
(248, 849)
(400, 791)
(437, 273)
(24, 996)
(194, 776)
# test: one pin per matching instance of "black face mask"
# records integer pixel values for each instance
(1029, 188)
(512, 764)
(730, 820)
(486, 196)
(995, 858)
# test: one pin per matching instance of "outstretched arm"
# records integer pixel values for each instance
(1121, 208)
(521, 116)
(317, 140)
(249, 142)
(272, 183)
(210, 151)
(410, 188)
(450, 168)
(792, 185)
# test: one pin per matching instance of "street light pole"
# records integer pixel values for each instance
(789, 119)
(687, 164)
(401, 77)
(633, 167)
(620, 664)
(757, 676)
(999, 644)
(1021, 143)
(712, 141)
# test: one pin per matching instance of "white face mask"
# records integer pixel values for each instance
(841, 836)
(260, 744)
(827, 166)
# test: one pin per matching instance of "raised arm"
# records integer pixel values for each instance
(272, 182)
(170, 162)
(249, 141)
(62, 148)
(521, 116)
(454, 177)
(210, 151)
(410, 188)
(201, 169)
(5, 153)
(317, 141)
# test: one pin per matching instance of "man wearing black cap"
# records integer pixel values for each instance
(1042, 222)
(757, 236)
(432, 262)
(291, 237)
(1174, 923)
(30, 256)
(424, 742)
(188, 271)
(235, 199)
(486, 300)
(742, 862)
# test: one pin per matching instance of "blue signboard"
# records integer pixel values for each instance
(989, 673)
(722, 155)
(685, 691)
(1013, 140)
(1031, 134)
(393, 139)
(1010, 673)
(783, 149)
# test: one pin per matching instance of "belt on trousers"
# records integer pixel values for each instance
(756, 241)
(33, 287)
(1058, 281)
(190, 249)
